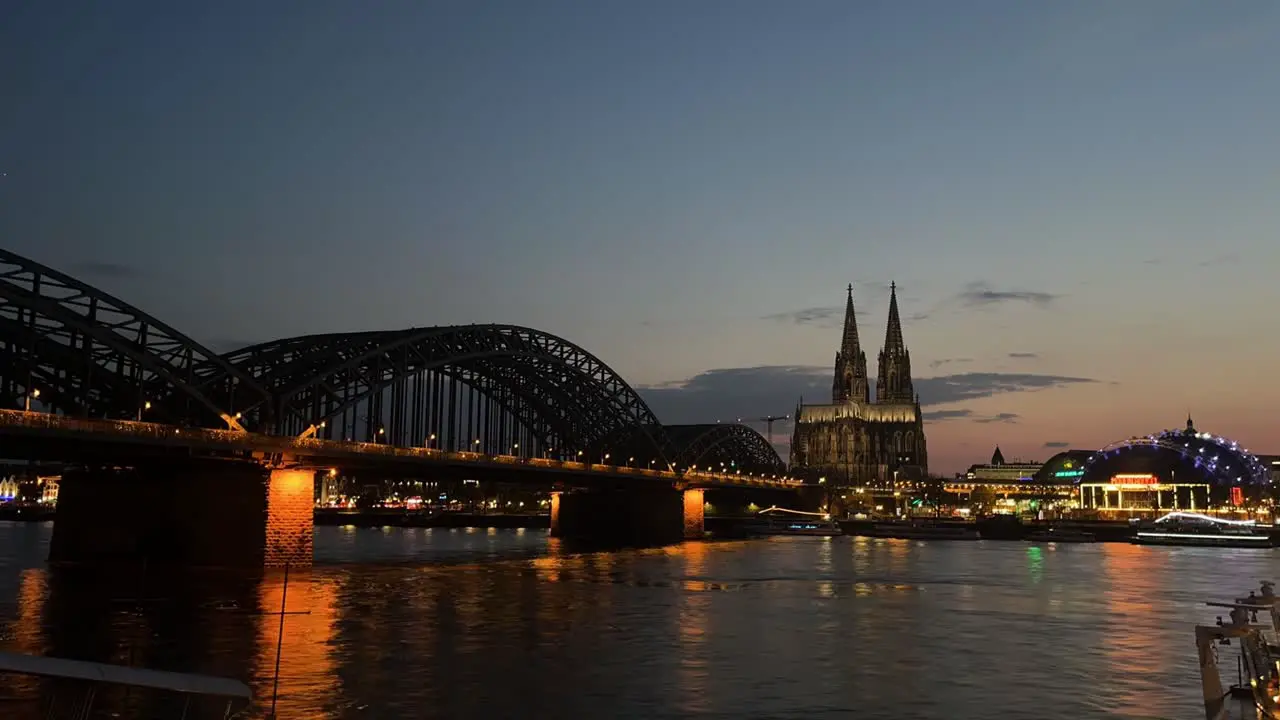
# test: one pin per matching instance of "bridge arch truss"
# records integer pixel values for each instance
(497, 389)
(715, 447)
(71, 348)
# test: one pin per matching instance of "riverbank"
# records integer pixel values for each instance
(403, 518)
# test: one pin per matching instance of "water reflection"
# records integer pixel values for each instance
(502, 624)
(692, 626)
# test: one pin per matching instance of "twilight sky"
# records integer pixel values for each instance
(1079, 201)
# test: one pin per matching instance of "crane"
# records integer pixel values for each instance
(769, 420)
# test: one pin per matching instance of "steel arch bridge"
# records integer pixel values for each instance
(716, 447)
(498, 389)
(89, 354)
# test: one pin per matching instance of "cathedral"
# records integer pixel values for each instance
(852, 440)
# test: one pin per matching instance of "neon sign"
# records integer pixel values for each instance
(1134, 479)
(1068, 473)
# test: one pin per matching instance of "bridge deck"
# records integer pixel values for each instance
(19, 425)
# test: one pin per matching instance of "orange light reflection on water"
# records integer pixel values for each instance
(1135, 578)
(692, 624)
(307, 670)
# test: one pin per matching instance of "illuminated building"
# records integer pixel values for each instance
(1065, 467)
(852, 440)
(1012, 486)
(1171, 470)
(8, 488)
(1272, 463)
(49, 488)
(1000, 472)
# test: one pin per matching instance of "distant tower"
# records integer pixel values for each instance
(997, 457)
(893, 383)
(850, 382)
(1191, 426)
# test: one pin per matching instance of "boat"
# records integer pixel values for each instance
(1060, 535)
(1182, 528)
(783, 521)
(83, 680)
(922, 531)
(1257, 689)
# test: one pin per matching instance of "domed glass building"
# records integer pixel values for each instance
(1170, 470)
(1065, 467)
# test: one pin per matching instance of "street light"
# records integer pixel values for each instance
(431, 439)
(145, 406)
(515, 450)
(35, 393)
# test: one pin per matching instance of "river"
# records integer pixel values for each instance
(435, 623)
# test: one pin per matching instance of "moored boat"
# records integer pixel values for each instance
(1257, 690)
(82, 679)
(922, 531)
(1194, 529)
(1060, 535)
(782, 521)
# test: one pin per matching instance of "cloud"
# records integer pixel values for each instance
(979, 294)
(1003, 417)
(816, 316)
(1057, 444)
(727, 394)
(1226, 259)
(945, 389)
(943, 415)
(101, 269)
(947, 361)
(1024, 356)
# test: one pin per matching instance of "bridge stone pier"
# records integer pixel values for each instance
(227, 514)
(646, 517)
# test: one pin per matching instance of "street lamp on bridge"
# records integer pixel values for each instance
(35, 393)
(145, 406)
(430, 440)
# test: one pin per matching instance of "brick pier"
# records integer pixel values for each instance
(628, 517)
(185, 513)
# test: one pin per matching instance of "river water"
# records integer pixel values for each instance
(434, 623)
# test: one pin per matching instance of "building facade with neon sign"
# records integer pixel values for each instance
(1173, 470)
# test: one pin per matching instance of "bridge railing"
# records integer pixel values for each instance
(279, 444)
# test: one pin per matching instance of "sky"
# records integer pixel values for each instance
(1077, 200)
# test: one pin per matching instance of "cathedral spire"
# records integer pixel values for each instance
(893, 331)
(850, 381)
(849, 345)
(893, 383)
